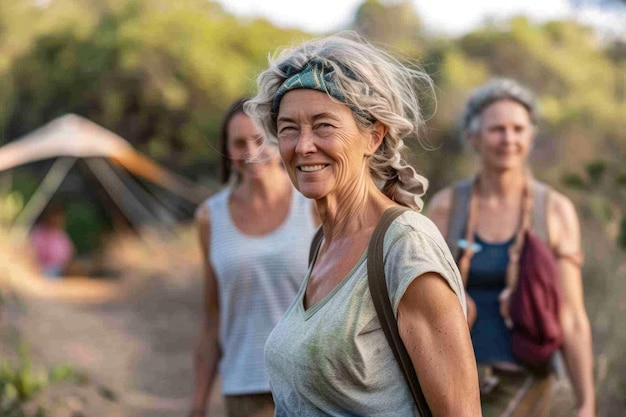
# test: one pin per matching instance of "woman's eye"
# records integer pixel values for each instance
(323, 129)
(287, 132)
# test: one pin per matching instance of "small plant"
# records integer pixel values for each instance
(595, 171)
(20, 383)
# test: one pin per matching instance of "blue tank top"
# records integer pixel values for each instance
(487, 278)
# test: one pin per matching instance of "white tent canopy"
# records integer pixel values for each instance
(70, 137)
(75, 136)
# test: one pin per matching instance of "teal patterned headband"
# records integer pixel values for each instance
(315, 75)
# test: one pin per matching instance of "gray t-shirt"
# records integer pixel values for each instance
(333, 358)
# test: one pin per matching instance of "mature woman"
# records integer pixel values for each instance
(499, 122)
(340, 110)
(255, 235)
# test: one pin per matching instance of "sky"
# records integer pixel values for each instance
(448, 17)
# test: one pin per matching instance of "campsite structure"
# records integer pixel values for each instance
(142, 190)
(73, 137)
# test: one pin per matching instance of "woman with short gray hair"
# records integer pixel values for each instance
(485, 219)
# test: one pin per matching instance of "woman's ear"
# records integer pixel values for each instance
(377, 133)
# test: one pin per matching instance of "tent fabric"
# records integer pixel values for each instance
(74, 136)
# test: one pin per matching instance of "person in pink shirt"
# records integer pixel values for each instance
(53, 248)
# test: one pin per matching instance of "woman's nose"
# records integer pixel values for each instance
(306, 143)
(508, 135)
(251, 150)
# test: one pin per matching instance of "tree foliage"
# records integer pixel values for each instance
(158, 73)
(396, 24)
(161, 73)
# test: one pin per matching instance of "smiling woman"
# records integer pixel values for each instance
(340, 110)
(485, 219)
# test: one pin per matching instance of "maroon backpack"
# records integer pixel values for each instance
(535, 285)
(535, 305)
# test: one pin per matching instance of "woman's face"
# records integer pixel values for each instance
(505, 136)
(249, 154)
(323, 150)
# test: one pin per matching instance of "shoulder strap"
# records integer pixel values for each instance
(540, 193)
(457, 218)
(380, 296)
(315, 244)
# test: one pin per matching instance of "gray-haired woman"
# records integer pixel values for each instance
(500, 122)
(341, 110)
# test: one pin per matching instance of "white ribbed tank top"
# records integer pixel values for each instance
(258, 278)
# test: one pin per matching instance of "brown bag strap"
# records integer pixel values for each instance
(380, 297)
(515, 250)
(315, 244)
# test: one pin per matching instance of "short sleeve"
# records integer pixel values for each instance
(414, 246)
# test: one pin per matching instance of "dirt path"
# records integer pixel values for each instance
(136, 340)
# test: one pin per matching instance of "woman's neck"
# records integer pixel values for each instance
(268, 188)
(501, 184)
(352, 213)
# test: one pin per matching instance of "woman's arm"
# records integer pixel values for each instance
(207, 352)
(577, 347)
(434, 330)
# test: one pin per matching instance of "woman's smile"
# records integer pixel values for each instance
(312, 168)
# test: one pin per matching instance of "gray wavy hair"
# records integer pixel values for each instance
(376, 86)
(494, 90)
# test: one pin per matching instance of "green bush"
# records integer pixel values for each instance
(573, 181)
(595, 171)
(20, 383)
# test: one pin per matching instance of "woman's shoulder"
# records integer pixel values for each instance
(441, 202)
(416, 224)
(559, 201)
(560, 208)
(439, 208)
(202, 213)
(563, 223)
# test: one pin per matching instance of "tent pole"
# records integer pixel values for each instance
(135, 187)
(37, 203)
(113, 184)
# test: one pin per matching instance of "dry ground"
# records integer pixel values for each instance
(131, 335)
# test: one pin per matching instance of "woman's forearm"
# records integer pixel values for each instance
(578, 352)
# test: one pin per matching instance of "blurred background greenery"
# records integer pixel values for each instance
(161, 73)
